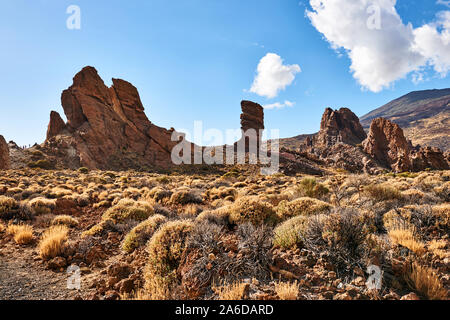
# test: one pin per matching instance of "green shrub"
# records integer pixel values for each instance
(140, 234)
(165, 250)
(83, 170)
(382, 192)
(184, 197)
(311, 188)
(252, 209)
(301, 206)
(128, 209)
(290, 233)
(42, 164)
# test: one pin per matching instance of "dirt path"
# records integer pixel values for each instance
(22, 277)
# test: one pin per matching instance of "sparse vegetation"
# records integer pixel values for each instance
(53, 242)
(286, 290)
(243, 236)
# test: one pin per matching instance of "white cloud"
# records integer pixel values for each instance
(272, 76)
(380, 56)
(279, 105)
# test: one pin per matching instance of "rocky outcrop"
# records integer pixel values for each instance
(107, 127)
(252, 122)
(387, 144)
(252, 116)
(339, 126)
(429, 157)
(5, 162)
(56, 125)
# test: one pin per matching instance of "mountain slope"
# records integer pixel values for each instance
(424, 116)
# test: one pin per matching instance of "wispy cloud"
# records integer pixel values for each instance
(279, 105)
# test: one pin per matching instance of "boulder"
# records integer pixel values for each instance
(5, 162)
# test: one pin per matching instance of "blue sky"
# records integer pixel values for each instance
(190, 60)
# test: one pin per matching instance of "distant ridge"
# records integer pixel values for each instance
(424, 115)
(412, 106)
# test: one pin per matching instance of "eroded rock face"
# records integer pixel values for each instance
(108, 128)
(340, 126)
(387, 144)
(252, 122)
(429, 157)
(56, 125)
(4, 154)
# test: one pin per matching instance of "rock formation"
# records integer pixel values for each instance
(107, 127)
(252, 122)
(56, 125)
(4, 154)
(339, 126)
(387, 144)
(429, 157)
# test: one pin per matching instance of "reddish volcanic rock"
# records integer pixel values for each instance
(340, 126)
(429, 157)
(387, 144)
(4, 154)
(56, 125)
(252, 118)
(108, 127)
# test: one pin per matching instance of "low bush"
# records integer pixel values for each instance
(65, 220)
(184, 197)
(140, 234)
(382, 192)
(341, 236)
(128, 209)
(252, 209)
(302, 206)
(309, 187)
(290, 233)
(165, 249)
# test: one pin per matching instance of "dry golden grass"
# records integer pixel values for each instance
(425, 281)
(23, 234)
(2, 227)
(287, 290)
(12, 229)
(438, 248)
(139, 295)
(404, 235)
(52, 243)
(234, 291)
